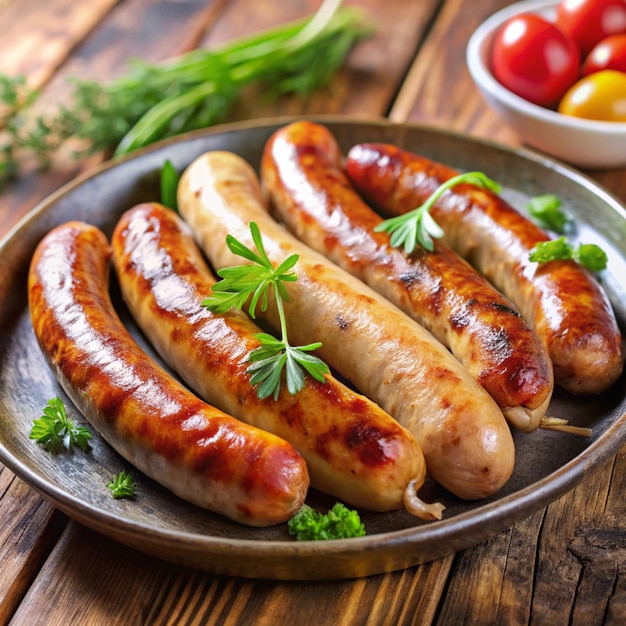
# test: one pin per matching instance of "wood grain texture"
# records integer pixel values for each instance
(148, 591)
(37, 37)
(562, 565)
(152, 30)
(438, 88)
(30, 528)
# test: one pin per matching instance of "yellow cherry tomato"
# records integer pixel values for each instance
(599, 96)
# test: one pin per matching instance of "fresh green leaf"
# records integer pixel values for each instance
(55, 431)
(339, 523)
(252, 283)
(546, 210)
(589, 255)
(418, 226)
(552, 250)
(122, 485)
(169, 185)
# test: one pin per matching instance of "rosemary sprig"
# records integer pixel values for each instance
(253, 282)
(418, 226)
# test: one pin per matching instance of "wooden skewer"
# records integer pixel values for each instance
(562, 425)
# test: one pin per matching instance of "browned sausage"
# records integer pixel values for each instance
(563, 302)
(386, 355)
(193, 449)
(353, 449)
(302, 173)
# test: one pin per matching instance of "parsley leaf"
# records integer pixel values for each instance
(54, 431)
(252, 283)
(339, 523)
(169, 185)
(588, 255)
(546, 210)
(122, 485)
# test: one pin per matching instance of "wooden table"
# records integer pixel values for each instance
(564, 564)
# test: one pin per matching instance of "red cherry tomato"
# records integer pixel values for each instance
(591, 21)
(609, 54)
(534, 59)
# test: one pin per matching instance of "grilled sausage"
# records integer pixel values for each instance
(385, 354)
(562, 301)
(353, 449)
(302, 173)
(198, 452)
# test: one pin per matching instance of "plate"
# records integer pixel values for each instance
(156, 522)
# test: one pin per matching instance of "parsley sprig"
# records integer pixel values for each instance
(169, 185)
(588, 255)
(339, 523)
(418, 226)
(55, 431)
(122, 485)
(547, 212)
(253, 282)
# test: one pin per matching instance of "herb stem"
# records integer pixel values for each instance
(281, 315)
(418, 226)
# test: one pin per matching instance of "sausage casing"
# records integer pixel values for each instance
(353, 449)
(562, 301)
(385, 354)
(198, 452)
(302, 173)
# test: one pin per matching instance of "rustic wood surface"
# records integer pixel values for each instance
(566, 564)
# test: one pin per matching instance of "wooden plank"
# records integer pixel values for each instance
(148, 591)
(38, 36)
(439, 89)
(149, 29)
(564, 564)
(30, 528)
(90, 567)
(492, 582)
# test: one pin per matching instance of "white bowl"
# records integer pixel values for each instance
(584, 143)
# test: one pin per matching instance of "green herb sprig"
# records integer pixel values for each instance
(588, 255)
(122, 485)
(418, 226)
(169, 185)
(253, 283)
(547, 212)
(195, 90)
(54, 431)
(339, 523)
